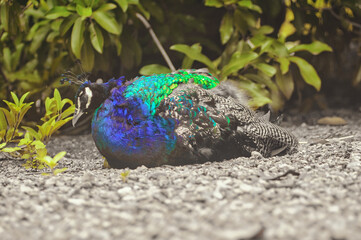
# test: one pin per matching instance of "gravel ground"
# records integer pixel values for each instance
(312, 194)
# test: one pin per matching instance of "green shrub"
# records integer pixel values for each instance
(258, 62)
(30, 146)
(255, 42)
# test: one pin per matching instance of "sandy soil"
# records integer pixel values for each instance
(312, 194)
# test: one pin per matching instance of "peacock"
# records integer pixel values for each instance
(177, 118)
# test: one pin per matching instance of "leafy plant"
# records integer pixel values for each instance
(124, 175)
(259, 63)
(11, 119)
(255, 43)
(40, 38)
(54, 117)
(30, 146)
(53, 162)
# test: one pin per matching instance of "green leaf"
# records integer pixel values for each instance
(96, 38)
(107, 22)
(287, 28)
(154, 69)
(39, 38)
(10, 118)
(16, 56)
(248, 4)
(264, 42)
(10, 134)
(285, 84)
(84, 11)
(66, 24)
(59, 124)
(3, 122)
(66, 101)
(267, 69)
(34, 29)
(48, 161)
(315, 48)
(48, 104)
(226, 28)
(38, 144)
(77, 37)
(7, 58)
(214, 3)
(284, 64)
(32, 132)
(134, 2)
(237, 62)
(57, 98)
(2, 145)
(10, 149)
(262, 80)
(106, 7)
(4, 16)
(59, 156)
(263, 30)
(24, 110)
(69, 111)
(258, 94)
(41, 153)
(87, 55)
(57, 171)
(57, 11)
(15, 98)
(188, 62)
(194, 54)
(4, 37)
(279, 49)
(51, 36)
(123, 4)
(307, 71)
(23, 98)
(25, 156)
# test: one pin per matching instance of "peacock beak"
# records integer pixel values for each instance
(78, 113)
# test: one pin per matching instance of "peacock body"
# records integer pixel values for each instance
(177, 118)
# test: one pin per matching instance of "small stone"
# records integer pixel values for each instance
(76, 201)
(124, 191)
(354, 165)
(333, 121)
(256, 155)
(249, 232)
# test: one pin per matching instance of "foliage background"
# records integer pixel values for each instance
(267, 47)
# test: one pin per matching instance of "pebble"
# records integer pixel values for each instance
(221, 200)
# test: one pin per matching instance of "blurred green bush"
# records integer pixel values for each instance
(252, 42)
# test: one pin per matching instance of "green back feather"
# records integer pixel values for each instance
(153, 89)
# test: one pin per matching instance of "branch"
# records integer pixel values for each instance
(156, 41)
(340, 18)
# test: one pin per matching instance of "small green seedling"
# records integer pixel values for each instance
(53, 162)
(124, 175)
(105, 163)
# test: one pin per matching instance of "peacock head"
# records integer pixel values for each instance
(90, 95)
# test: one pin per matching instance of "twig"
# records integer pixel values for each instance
(26, 7)
(340, 18)
(279, 177)
(156, 41)
(327, 140)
